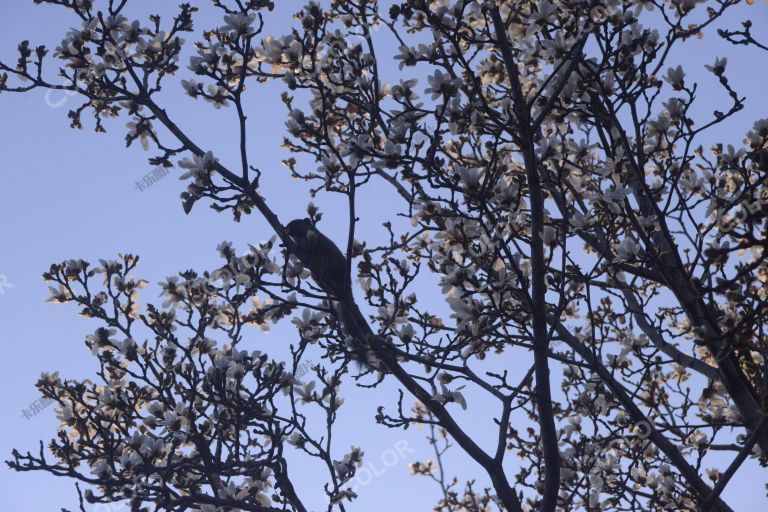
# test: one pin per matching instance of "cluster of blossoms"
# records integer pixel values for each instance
(562, 208)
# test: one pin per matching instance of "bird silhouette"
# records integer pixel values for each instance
(325, 261)
(330, 271)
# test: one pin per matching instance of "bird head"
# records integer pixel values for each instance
(299, 228)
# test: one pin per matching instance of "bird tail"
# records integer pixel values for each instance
(357, 331)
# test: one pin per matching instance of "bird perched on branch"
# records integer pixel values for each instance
(326, 262)
(330, 271)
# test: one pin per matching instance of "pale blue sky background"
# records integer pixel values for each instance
(68, 194)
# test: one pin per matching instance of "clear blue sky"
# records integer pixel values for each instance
(68, 194)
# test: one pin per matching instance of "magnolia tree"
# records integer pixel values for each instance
(598, 276)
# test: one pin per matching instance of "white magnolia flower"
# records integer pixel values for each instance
(578, 220)
(469, 178)
(406, 332)
(297, 440)
(357, 149)
(307, 393)
(542, 15)
(549, 235)
(191, 87)
(718, 67)
(659, 126)
(445, 396)
(198, 167)
(404, 90)
(676, 77)
(690, 183)
(65, 414)
(407, 56)
(731, 156)
(675, 107)
(441, 84)
(239, 23)
(206, 58)
(626, 250)
(143, 131)
(50, 378)
(466, 313)
(556, 47)
(101, 469)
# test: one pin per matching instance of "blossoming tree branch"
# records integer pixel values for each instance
(596, 275)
